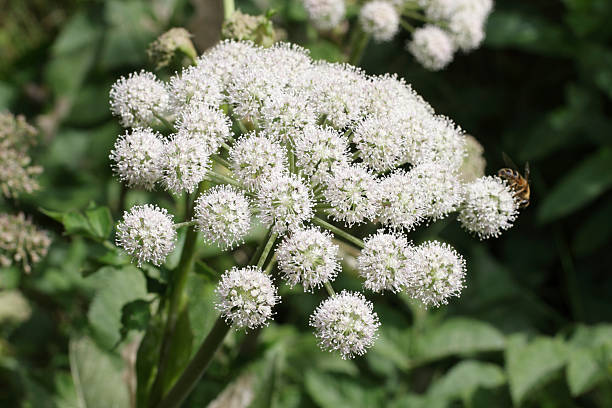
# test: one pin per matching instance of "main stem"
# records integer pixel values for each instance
(176, 304)
(196, 368)
(228, 8)
(200, 362)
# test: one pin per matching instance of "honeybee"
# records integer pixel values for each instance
(516, 181)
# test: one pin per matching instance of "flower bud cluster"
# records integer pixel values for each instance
(268, 134)
(21, 242)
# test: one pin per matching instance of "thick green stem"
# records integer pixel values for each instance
(196, 368)
(338, 232)
(228, 8)
(177, 302)
(358, 44)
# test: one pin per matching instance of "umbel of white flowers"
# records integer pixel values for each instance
(451, 24)
(321, 147)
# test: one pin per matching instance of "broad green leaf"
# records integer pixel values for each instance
(268, 378)
(465, 378)
(135, 315)
(97, 375)
(530, 365)
(65, 391)
(391, 348)
(589, 355)
(578, 187)
(100, 221)
(117, 287)
(457, 336)
(329, 391)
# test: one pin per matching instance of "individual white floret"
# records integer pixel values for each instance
(185, 163)
(437, 273)
(441, 187)
(195, 84)
(431, 47)
(488, 207)
(325, 14)
(380, 141)
(137, 99)
(210, 125)
(379, 19)
(246, 297)
(137, 158)
(383, 262)
(223, 216)
(147, 233)
(284, 203)
(308, 257)
(346, 323)
(255, 159)
(402, 201)
(318, 149)
(350, 192)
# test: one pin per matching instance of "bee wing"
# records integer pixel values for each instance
(527, 171)
(509, 161)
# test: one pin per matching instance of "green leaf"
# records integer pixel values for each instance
(594, 232)
(464, 379)
(333, 391)
(98, 376)
(578, 187)
(457, 336)
(135, 315)
(117, 287)
(100, 221)
(590, 354)
(530, 365)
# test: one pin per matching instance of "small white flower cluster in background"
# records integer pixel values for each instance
(269, 134)
(450, 25)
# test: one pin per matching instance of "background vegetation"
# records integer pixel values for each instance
(532, 327)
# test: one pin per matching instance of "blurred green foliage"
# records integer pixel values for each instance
(532, 328)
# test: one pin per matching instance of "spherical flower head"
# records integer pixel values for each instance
(437, 273)
(318, 150)
(137, 158)
(246, 297)
(467, 30)
(137, 99)
(325, 14)
(185, 163)
(390, 96)
(383, 262)
(345, 323)
(210, 125)
(255, 159)
(338, 92)
(401, 201)
(309, 257)
(474, 163)
(285, 203)
(431, 47)
(442, 190)
(147, 233)
(437, 138)
(223, 216)
(196, 84)
(379, 19)
(488, 207)
(227, 57)
(380, 142)
(284, 113)
(350, 190)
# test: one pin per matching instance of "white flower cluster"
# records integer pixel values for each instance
(451, 25)
(317, 143)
